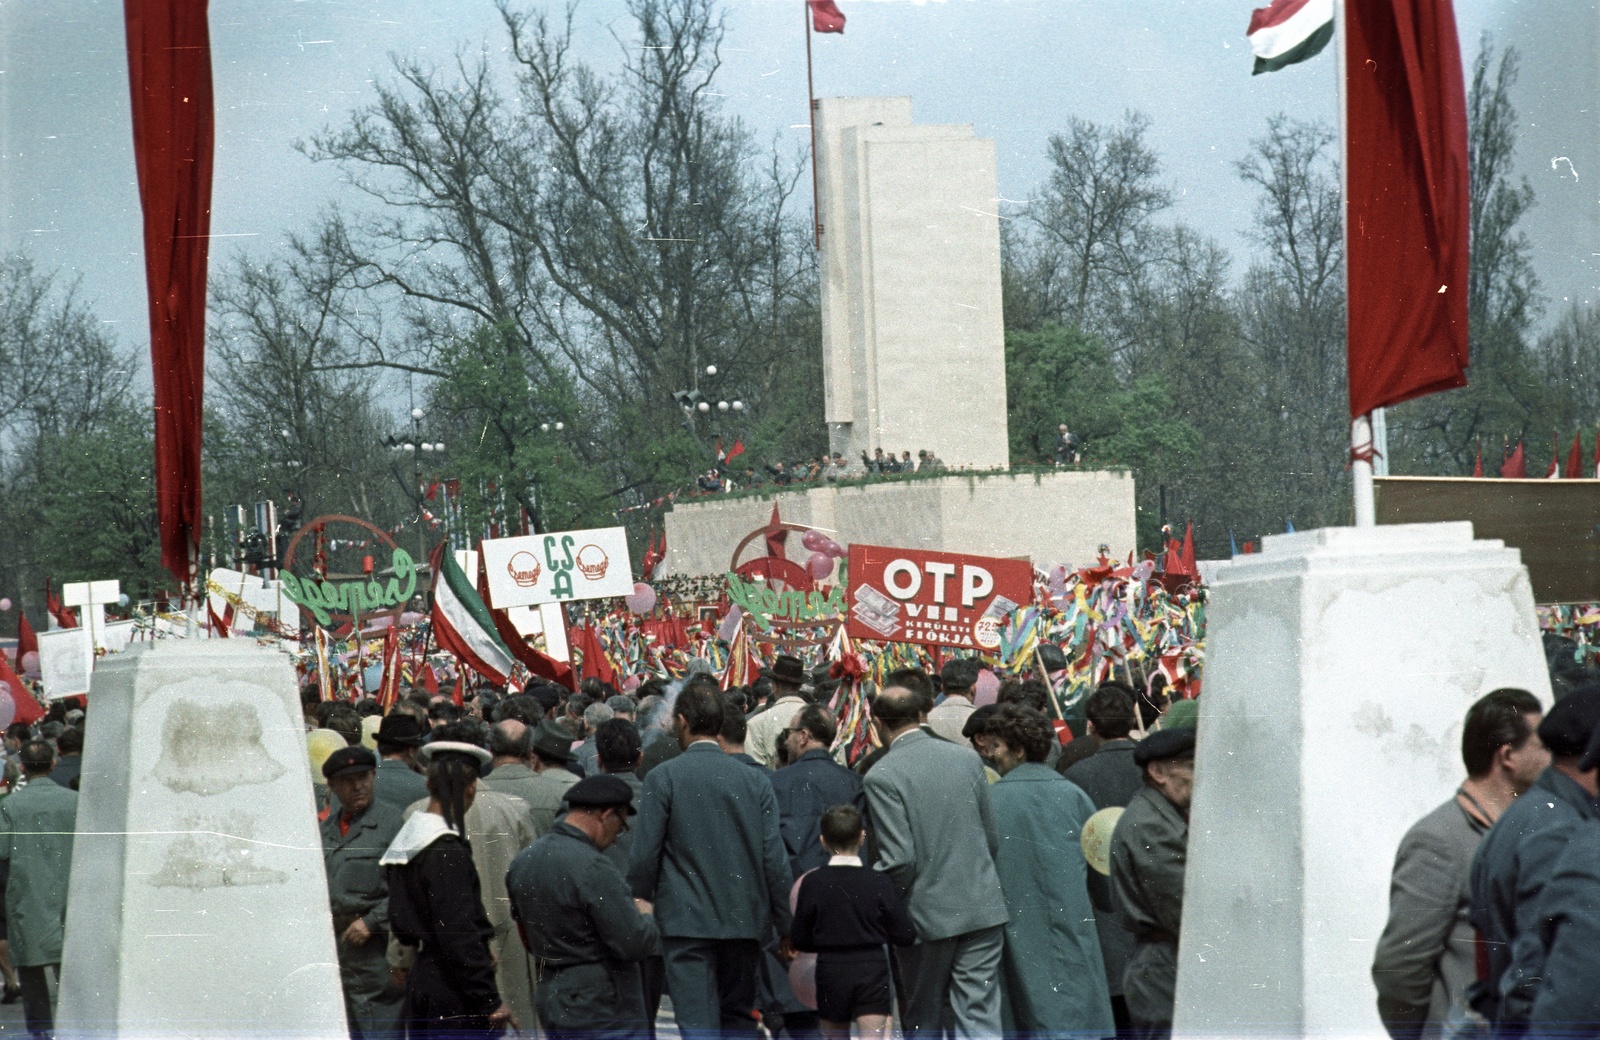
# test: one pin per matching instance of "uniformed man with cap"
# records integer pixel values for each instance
(1518, 858)
(1149, 852)
(585, 930)
(356, 829)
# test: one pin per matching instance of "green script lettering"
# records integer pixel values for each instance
(325, 598)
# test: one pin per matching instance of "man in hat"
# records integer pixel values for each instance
(356, 829)
(1149, 852)
(949, 716)
(1426, 957)
(1517, 858)
(37, 823)
(788, 675)
(587, 934)
(398, 782)
(708, 853)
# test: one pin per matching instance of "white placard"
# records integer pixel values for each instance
(558, 567)
(66, 657)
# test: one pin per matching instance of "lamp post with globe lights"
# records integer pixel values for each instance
(420, 452)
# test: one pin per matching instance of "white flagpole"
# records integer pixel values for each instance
(1361, 446)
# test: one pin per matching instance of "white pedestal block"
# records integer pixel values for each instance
(198, 903)
(1339, 666)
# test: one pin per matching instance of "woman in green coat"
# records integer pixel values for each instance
(1054, 980)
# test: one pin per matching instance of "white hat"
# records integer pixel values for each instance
(426, 752)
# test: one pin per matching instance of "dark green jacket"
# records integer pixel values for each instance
(37, 823)
(356, 883)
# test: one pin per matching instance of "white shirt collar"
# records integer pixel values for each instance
(423, 829)
(844, 861)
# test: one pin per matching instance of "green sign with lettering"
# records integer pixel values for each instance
(767, 605)
(354, 598)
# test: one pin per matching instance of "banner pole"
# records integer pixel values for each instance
(811, 121)
(1361, 456)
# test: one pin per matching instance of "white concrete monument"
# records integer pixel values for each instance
(198, 905)
(1339, 665)
(913, 338)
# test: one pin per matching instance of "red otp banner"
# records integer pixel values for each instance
(938, 598)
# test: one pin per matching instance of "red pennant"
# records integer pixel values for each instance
(1575, 459)
(826, 16)
(28, 709)
(430, 680)
(457, 695)
(1515, 466)
(27, 641)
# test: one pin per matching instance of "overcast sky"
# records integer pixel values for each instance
(1015, 69)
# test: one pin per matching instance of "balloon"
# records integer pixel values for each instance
(986, 689)
(834, 549)
(30, 664)
(5, 603)
(1143, 569)
(8, 706)
(820, 565)
(813, 540)
(642, 600)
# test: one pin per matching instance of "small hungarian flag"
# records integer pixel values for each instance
(1287, 32)
(827, 18)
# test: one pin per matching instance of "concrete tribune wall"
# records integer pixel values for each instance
(1049, 518)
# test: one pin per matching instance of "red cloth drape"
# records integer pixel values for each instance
(1406, 157)
(169, 73)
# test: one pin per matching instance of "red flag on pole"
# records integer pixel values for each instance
(389, 687)
(1407, 219)
(735, 451)
(1574, 470)
(28, 709)
(826, 16)
(169, 73)
(1477, 467)
(27, 641)
(64, 617)
(1516, 466)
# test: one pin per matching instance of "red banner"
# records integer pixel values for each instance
(937, 598)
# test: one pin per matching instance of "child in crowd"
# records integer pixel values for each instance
(846, 913)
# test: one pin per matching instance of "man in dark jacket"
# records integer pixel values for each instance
(587, 935)
(356, 830)
(708, 853)
(397, 783)
(1517, 858)
(810, 785)
(1149, 854)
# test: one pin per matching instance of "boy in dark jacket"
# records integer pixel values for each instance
(845, 913)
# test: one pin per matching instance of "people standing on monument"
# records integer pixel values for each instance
(935, 834)
(37, 824)
(1149, 853)
(1425, 957)
(1068, 447)
(355, 836)
(810, 785)
(788, 675)
(436, 906)
(398, 783)
(949, 716)
(708, 854)
(1055, 980)
(1517, 858)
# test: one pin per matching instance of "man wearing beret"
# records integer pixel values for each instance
(586, 932)
(356, 829)
(1518, 858)
(1149, 852)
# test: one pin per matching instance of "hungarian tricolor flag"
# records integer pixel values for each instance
(1289, 31)
(462, 623)
(826, 16)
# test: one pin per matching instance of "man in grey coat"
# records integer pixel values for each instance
(1425, 958)
(37, 823)
(708, 854)
(398, 783)
(936, 840)
(1149, 854)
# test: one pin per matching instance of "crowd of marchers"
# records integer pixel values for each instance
(577, 864)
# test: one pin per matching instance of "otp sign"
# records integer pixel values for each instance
(940, 598)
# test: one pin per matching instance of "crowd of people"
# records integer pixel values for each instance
(834, 467)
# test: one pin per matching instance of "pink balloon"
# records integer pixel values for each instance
(813, 540)
(8, 705)
(30, 664)
(820, 565)
(986, 689)
(642, 600)
(5, 603)
(834, 549)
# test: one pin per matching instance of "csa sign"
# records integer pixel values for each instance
(557, 567)
(940, 598)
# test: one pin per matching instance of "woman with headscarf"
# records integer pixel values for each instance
(435, 905)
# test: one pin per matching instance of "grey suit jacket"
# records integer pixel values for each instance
(1424, 961)
(707, 850)
(929, 805)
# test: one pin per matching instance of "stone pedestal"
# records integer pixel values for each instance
(1339, 666)
(198, 903)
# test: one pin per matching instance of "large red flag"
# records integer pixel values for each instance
(826, 16)
(169, 72)
(1407, 216)
(27, 641)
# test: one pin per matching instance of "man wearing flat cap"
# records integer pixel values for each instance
(586, 932)
(1518, 858)
(356, 829)
(1149, 852)
(398, 782)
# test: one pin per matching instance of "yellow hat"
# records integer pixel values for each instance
(320, 743)
(369, 731)
(1096, 838)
